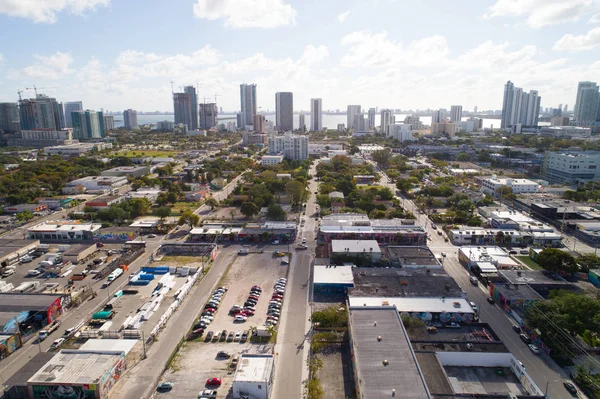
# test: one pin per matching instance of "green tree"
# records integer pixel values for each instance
(162, 199)
(172, 197)
(249, 209)
(138, 207)
(323, 200)
(24, 216)
(296, 191)
(382, 157)
(212, 202)
(276, 212)
(557, 261)
(588, 261)
(505, 192)
(189, 218)
(163, 212)
(463, 157)
(379, 214)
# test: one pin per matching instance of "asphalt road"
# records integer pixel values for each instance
(541, 368)
(292, 342)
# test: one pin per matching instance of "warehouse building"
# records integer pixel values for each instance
(12, 250)
(254, 377)
(332, 279)
(68, 231)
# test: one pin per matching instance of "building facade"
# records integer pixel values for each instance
(302, 121)
(88, 125)
(9, 117)
(353, 117)
(587, 103)
(109, 122)
(316, 114)
(400, 131)
(191, 91)
(284, 111)
(130, 120)
(572, 167)
(70, 107)
(519, 109)
(456, 113)
(182, 104)
(247, 104)
(490, 185)
(387, 118)
(293, 147)
(43, 112)
(208, 115)
(371, 118)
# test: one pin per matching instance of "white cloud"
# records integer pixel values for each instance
(53, 67)
(248, 13)
(594, 19)
(570, 42)
(540, 13)
(46, 11)
(342, 17)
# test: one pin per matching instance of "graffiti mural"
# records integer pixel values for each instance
(64, 392)
(115, 236)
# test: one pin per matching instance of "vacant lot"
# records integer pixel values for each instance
(529, 262)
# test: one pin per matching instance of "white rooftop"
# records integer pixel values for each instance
(254, 368)
(416, 304)
(101, 345)
(62, 226)
(333, 274)
(353, 246)
(487, 254)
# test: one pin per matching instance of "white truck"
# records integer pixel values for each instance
(50, 328)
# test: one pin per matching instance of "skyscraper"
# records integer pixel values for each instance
(316, 114)
(248, 103)
(352, 116)
(437, 116)
(88, 125)
(109, 122)
(9, 117)
(182, 105)
(519, 108)
(301, 122)
(130, 120)
(456, 113)
(284, 111)
(587, 103)
(371, 118)
(475, 109)
(259, 123)
(387, 118)
(71, 107)
(208, 115)
(191, 91)
(43, 112)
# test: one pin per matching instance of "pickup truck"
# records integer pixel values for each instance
(45, 333)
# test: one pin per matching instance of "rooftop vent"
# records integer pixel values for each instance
(374, 324)
(379, 338)
(385, 362)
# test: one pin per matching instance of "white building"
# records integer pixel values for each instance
(65, 231)
(519, 108)
(570, 132)
(371, 118)
(490, 185)
(357, 248)
(400, 132)
(318, 148)
(272, 159)
(316, 114)
(387, 118)
(99, 183)
(572, 167)
(47, 134)
(293, 147)
(254, 377)
(354, 117)
(76, 148)
(456, 113)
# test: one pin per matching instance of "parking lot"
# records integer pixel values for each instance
(197, 361)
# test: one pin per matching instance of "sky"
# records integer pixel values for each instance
(118, 54)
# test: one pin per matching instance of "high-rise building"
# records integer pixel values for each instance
(208, 115)
(301, 122)
(88, 125)
(109, 122)
(387, 118)
(316, 114)
(130, 120)
(437, 116)
(519, 108)
(182, 105)
(573, 167)
(239, 119)
(259, 123)
(191, 91)
(475, 109)
(587, 103)
(566, 109)
(43, 112)
(352, 115)
(293, 147)
(9, 117)
(371, 116)
(284, 111)
(248, 103)
(456, 113)
(69, 107)
(414, 121)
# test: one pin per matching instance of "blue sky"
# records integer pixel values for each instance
(117, 54)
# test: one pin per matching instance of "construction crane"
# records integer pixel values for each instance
(19, 93)
(33, 88)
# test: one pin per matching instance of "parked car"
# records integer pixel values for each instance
(151, 235)
(257, 287)
(214, 381)
(240, 318)
(244, 337)
(223, 335)
(207, 394)
(524, 252)
(57, 343)
(570, 387)
(26, 259)
(230, 336)
(490, 300)
(165, 386)
(302, 246)
(516, 328)
(238, 335)
(525, 338)
(474, 307)
(473, 280)
(275, 242)
(512, 252)
(534, 349)
(223, 355)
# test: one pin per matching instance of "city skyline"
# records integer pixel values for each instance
(395, 67)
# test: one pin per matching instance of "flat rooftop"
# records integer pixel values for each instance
(354, 246)
(532, 277)
(7, 247)
(76, 367)
(518, 292)
(52, 226)
(111, 345)
(407, 256)
(12, 302)
(77, 248)
(422, 305)
(402, 373)
(325, 274)
(393, 282)
(254, 368)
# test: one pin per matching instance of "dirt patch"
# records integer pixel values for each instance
(336, 374)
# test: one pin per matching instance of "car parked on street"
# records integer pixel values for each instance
(525, 338)
(534, 349)
(215, 381)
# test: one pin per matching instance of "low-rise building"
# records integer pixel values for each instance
(485, 259)
(25, 207)
(105, 201)
(272, 160)
(412, 257)
(219, 183)
(466, 235)
(96, 183)
(332, 279)
(67, 231)
(54, 203)
(133, 171)
(258, 139)
(151, 194)
(76, 149)
(367, 250)
(573, 167)
(491, 185)
(254, 376)
(566, 132)
(364, 179)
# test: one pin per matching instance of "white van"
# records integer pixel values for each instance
(8, 272)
